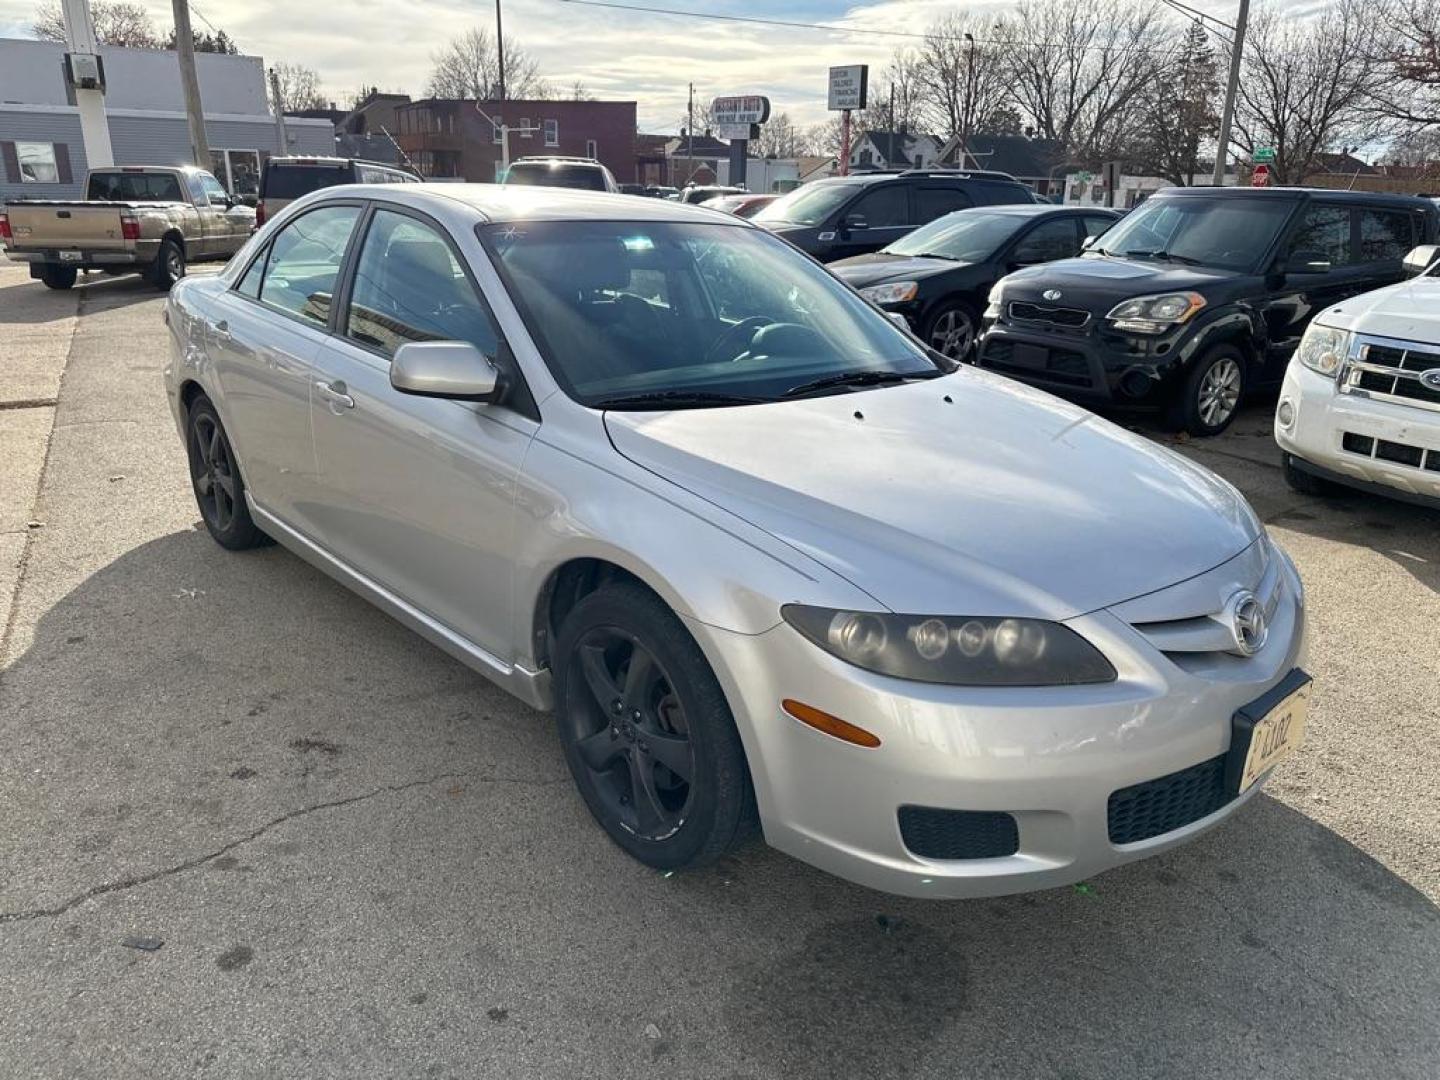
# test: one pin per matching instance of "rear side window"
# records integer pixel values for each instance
(1385, 235)
(292, 181)
(1096, 226)
(1324, 229)
(135, 187)
(934, 202)
(992, 193)
(884, 206)
(409, 286)
(304, 262)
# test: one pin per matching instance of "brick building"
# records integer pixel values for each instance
(451, 139)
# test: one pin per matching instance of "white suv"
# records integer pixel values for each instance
(1361, 400)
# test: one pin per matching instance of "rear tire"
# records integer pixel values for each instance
(169, 265)
(1306, 483)
(647, 732)
(58, 277)
(215, 477)
(1211, 394)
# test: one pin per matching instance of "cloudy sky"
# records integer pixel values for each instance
(617, 54)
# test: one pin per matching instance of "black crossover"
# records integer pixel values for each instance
(850, 215)
(1197, 296)
(939, 276)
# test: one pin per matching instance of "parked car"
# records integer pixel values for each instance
(851, 215)
(586, 174)
(699, 193)
(744, 205)
(651, 467)
(1198, 296)
(285, 179)
(1360, 405)
(145, 219)
(939, 275)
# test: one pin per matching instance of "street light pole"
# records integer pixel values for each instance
(1228, 115)
(500, 48)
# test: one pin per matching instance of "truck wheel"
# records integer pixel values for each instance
(169, 264)
(58, 277)
(1211, 394)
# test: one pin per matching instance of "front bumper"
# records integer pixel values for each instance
(1321, 420)
(1050, 757)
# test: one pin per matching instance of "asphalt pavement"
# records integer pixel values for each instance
(250, 826)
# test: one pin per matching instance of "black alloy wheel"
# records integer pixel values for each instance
(219, 489)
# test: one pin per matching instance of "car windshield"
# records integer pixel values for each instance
(1230, 233)
(808, 205)
(544, 174)
(965, 235)
(135, 187)
(695, 313)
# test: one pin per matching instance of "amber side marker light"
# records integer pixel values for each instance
(830, 725)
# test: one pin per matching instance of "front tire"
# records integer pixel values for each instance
(219, 487)
(169, 265)
(58, 277)
(1306, 483)
(951, 328)
(1211, 394)
(647, 732)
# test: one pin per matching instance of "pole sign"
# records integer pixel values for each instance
(737, 131)
(848, 86)
(738, 111)
(1261, 176)
(1264, 155)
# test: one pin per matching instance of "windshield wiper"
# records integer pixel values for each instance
(677, 399)
(1168, 256)
(860, 378)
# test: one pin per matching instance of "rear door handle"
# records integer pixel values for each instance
(335, 394)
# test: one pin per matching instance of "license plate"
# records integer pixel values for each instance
(1266, 732)
(1030, 356)
(71, 256)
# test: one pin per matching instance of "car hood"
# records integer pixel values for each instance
(1096, 281)
(1001, 501)
(1409, 311)
(862, 270)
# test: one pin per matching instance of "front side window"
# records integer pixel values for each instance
(1047, 242)
(634, 309)
(1232, 233)
(37, 163)
(409, 286)
(1324, 232)
(1385, 235)
(214, 190)
(304, 262)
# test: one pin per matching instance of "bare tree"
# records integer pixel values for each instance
(469, 68)
(579, 92)
(1307, 86)
(1180, 111)
(116, 23)
(779, 138)
(897, 98)
(1411, 94)
(963, 76)
(299, 88)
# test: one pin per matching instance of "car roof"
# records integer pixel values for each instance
(497, 202)
(876, 176)
(1035, 209)
(1328, 194)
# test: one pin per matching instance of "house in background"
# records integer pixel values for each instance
(42, 154)
(695, 159)
(1031, 161)
(452, 139)
(651, 162)
(894, 150)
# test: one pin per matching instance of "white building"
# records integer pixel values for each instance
(42, 155)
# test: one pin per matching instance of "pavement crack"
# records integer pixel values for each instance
(30, 403)
(200, 860)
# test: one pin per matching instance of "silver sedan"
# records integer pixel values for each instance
(770, 562)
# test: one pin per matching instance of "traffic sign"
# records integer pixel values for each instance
(1260, 176)
(1264, 155)
(847, 87)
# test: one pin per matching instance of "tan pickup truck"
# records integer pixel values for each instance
(147, 219)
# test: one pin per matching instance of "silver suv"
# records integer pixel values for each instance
(584, 174)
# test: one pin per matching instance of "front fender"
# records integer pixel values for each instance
(1228, 324)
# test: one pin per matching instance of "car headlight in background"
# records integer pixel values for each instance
(1323, 348)
(955, 650)
(894, 292)
(992, 302)
(1155, 314)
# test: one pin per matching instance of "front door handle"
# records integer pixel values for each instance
(335, 394)
(222, 331)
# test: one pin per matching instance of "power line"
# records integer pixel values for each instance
(1199, 14)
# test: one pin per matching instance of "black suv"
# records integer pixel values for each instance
(863, 212)
(1197, 296)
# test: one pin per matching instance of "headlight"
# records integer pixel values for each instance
(894, 292)
(956, 650)
(992, 302)
(1155, 314)
(1323, 348)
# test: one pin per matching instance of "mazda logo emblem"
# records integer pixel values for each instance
(1430, 379)
(1247, 622)
(1055, 294)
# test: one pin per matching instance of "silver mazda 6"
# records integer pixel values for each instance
(768, 561)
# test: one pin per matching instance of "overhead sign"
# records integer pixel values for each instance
(848, 86)
(1261, 176)
(1264, 155)
(729, 111)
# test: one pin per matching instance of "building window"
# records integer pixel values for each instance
(37, 163)
(524, 127)
(552, 132)
(495, 122)
(591, 150)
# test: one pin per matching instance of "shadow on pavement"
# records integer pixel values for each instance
(184, 697)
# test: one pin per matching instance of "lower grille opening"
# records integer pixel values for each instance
(958, 834)
(1167, 803)
(1416, 457)
(1358, 444)
(1399, 453)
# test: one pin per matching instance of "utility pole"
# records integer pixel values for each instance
(94, 128)
(967, 121)
(190, 83)
(500, 50)
(690, 135)
(280, 113)
(1228, 115)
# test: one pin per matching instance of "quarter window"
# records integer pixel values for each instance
(409, 286)
(1324, 229)
(304, 262)
(1385, 235)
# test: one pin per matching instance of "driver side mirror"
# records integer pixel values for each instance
(1421, 258)
(1088, 242)
(1306, 261)
(456, 370)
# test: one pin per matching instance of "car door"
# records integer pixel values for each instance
(263, 338)
(885, 210)
(419, 492)
(1323, 235)
(1050, 239)
(937, 200)
(232, 221)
